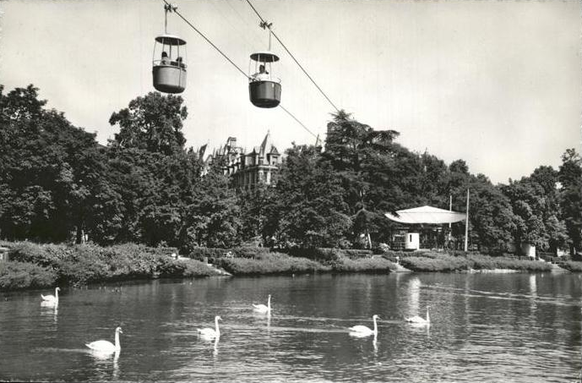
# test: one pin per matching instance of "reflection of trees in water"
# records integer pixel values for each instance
(533, 289)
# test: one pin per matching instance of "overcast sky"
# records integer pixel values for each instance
(496, 83)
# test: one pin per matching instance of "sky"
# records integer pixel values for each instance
(495, 83)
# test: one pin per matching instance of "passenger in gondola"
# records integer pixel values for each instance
(262, 74)
(179, 61)
(165, 58)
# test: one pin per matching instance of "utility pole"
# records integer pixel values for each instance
(467, 224)
(450, 207)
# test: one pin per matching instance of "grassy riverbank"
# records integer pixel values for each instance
(40, 266)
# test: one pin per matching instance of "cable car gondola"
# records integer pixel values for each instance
(264, 88)
(169, 70)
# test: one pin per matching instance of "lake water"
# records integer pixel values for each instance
(484, 328)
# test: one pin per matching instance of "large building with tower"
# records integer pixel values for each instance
(246, 167)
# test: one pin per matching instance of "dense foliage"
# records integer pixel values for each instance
(57, 184)
(34, 265)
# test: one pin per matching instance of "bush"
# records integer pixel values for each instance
(445, 263)
(326, 256)
(82, 264)
(201, 253)
(375, 264)
(573, 266)
(431, 261)
(169, 267)
(250, 252)
(19, 275)
(484, 262)
(43, 255)
(357, 253)
(273, 263)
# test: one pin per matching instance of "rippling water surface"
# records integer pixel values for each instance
(484, 328)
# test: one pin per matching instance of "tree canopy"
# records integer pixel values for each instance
(57, 183)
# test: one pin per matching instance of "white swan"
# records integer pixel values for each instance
(106, 346)
(262, 308)
(418, 319)
(210, 333)
(363, 330)
(51, 299)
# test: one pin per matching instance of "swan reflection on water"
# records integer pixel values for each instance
(104, 356)
(215, 351)
(214, 340)
(49, 309)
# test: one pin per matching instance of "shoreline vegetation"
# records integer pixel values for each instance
(32, 265)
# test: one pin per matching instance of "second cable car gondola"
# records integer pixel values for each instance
(264, 88)
(169, 69)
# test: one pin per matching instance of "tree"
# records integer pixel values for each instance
(156, 178)
(256, 207)
(152, 123)
(570, 177)
(535, 202)
(48, 171)
(213, 215)
(311, 211)
(366, 162)
(492, 221)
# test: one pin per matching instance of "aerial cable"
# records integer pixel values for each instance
(299, 122)
(207, 40)
(265, 24)
(171, 8)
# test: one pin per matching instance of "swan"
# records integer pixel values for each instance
(418, 319)
(363, 330)
(106, 346)
(262, 308)
(210, 333)
(51, 299)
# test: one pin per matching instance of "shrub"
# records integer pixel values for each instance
(445, 263)
(193, 268)
(357, 253)
(431, 261)
(484, 262)
(20, 275)
(43, 255)
(200, 253)
(375, 264)
(169, 267)
(82, 264)
(250, 252)
(326, 256)
(573, 266)
(273, 263)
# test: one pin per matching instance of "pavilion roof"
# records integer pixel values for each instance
(426, 214)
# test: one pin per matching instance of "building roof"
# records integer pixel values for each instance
(426, 214)
(266, 146)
